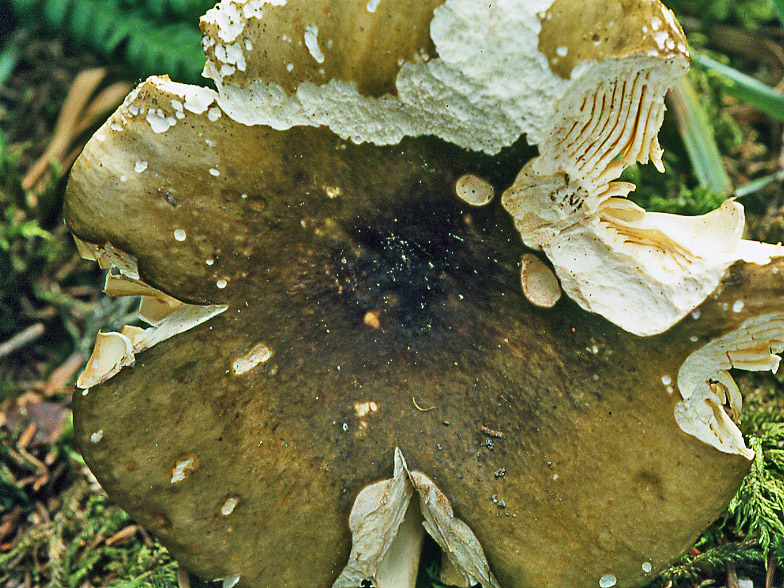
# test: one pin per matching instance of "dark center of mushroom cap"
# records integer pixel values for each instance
(412, 267)
(415, 259)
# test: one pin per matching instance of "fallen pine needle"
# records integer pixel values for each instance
(22, 339)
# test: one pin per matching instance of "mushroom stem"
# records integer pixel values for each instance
(401, 563)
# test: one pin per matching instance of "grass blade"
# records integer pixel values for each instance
(746, 88)
(697, 134)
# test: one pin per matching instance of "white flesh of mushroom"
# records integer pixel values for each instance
(387, 532)
(705, 383)
(169, 316)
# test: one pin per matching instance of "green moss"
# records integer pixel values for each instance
(748, 13)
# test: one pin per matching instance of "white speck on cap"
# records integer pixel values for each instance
(97, 436)
(140, 166)
(372, 5)
(214, 172)
(228, 507)
(647, 567)
(180, 235)
(214, 113)
(231, 581)
(738, 306)
(474, 190)
(607, 581)
(666, 380)
(221, 284)
(362, 409)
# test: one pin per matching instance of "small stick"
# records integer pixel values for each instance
(771, 573)
(183, 580)
(22, 339)
(419, 408)
(492, 432)
(732, 577)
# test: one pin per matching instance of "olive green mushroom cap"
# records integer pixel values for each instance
(345, 351)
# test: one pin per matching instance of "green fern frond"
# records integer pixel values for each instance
(152, 36)
(713, 561)
(758, 507)
(181, 9)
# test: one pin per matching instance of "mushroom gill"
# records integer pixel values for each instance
(331, 287)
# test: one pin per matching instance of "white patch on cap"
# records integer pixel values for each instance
(311, 42)
(257, 355)
(647, 567)
(158, 122)
(456, 96)
(182, 470)
(362, 409)
(372, 5)
(180, 235)
(97, 436)
(140, 166)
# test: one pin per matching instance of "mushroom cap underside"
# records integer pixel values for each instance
(370, 283)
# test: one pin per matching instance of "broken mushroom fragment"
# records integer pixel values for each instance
(539, 283)
(344, 356)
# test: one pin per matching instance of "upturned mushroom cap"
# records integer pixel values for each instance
(341, 352)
